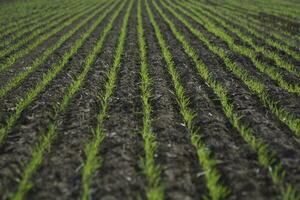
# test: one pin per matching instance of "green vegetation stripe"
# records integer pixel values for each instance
(34, 22)
(154, 189)
(246, 18)
(216, 189)
(17, 80)
(93, 162)
(37, 35)
(266, 157)
(49, 137)
(282, 13)
(46, 79)
(25, 51)
(202, 19)
(47, 19)
(245, 51)
(253, 84)
(23, 9)
(32, 14)
(232, 19)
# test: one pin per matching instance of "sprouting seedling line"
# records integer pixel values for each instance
(266, 157)
(46, 140)
(17, 80)
(217, 190)
(92, 162)
(47, 78)
(201, 12)
(45, 20)
(245, 51)
(232, 12)
(12, 25)
(253, 84)
(154, 189)
(23, 52)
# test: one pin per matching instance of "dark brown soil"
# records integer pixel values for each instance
(35, 118)
(265, 125)
(120, 175)
(64, 163)
(284, 24)
(175, 148)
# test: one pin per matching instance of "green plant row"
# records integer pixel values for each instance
(283, 5)
(48, 18)
(247, 18)
(245, 51)
(10, 21)
(93, 162)
(32, 23)
(47, 139)
(17, 80)
(13, 51)
(266, 157)
(281, 12)
(46, 79)
(200, 13)
(248, 24)
(25, 51)
(212, 176)
(154, 189)
(22, 9)
(253, 84)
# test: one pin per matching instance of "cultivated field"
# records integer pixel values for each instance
(150, 99)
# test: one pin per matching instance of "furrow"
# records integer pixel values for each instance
(17, 35)
(47, 78)
(213, 178)
(12, 25)
(266, 157)
(64, 162)
(17, 80)
(268, 53)
(247, 52)
(284, 13)
(227, 21)
(237, 162)
(25, 51)
(252, 20)
(46, 141)
(155, 189)
(174, 144)
(92, 163)
(254, 85)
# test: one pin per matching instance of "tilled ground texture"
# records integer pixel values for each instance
(150, 99)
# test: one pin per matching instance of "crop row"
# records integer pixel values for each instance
(10, 17)
(253, 84)
(46, 79)
(41, 38)
(19, 29)
(54, 29)
(266, 157)
(289, 13)
(169, 12)
(251, 20)
(93, 162)
(48, 18)
(245, 51)
(12, 48)
(216, 189)
(266, 52)
(230, 24)
(17, 80)
(155, 189)
(46, 140)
